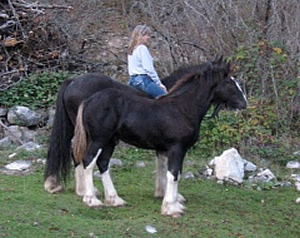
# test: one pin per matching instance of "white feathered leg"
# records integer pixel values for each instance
(111, 195)
(90, 197)
(79, 180)
(171, 206)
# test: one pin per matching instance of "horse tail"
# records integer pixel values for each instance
(58, 164)
(80, 141)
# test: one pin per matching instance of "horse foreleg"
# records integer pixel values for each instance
(90, 197)
(161, 171)
(171, 205)
(111, 195)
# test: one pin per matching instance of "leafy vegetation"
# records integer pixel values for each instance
(38, 91)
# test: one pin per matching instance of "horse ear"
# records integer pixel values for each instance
(220, 60)
(228, 66)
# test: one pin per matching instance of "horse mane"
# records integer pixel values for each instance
(198, 75)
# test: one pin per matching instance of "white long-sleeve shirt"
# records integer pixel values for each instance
(141, 62)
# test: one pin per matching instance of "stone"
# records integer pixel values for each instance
(249, 166)
(140, 164)
(19, 165)
(29, 146)
(23, 116)
(116, 162)
(189, 175)
(229, 166)
(3, 112)
(5, 142)
(265, 176)
(293, 165)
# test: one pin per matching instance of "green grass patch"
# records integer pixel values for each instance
(212, 210)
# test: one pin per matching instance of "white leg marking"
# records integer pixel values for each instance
(171, 206)
(52, 186)
(161, 179)
(90, 197)
(79, 180)
(111, 195)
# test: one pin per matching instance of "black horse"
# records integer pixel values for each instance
(71, 94)
(169, 125)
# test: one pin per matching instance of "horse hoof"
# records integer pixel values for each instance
(92, 201)
(51, 185)
(115, 202)
(175, 209)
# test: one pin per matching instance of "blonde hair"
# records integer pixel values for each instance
(138, 32)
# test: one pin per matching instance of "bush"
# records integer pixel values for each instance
(37, 91)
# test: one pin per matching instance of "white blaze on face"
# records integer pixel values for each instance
(239, 87)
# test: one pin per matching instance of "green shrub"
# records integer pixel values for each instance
(37, 91)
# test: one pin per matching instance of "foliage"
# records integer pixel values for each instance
(270, 77)
(37, 91)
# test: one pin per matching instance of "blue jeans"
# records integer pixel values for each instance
(145, 83)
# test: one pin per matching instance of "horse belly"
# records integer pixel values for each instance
(142, 137)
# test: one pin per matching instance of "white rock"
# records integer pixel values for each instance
(19, 165)
(293, 165)
(29, 146)
(249, 166)
(189, 175)
(296, 177)
(297, 184)
(115, 162)
(151, 229)
(266, 176)
(298, 200)
(229, 166)
(296, 152)
(140, 164)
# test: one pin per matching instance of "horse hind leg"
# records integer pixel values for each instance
(52, 185)
(111, 196)
(90, 197)
(161, 171)
(80, 181)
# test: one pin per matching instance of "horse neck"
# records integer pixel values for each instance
(196, 102)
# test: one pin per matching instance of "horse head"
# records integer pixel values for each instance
(228, 91)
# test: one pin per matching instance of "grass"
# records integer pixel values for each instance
(213, 210)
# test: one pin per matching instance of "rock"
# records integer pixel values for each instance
(249, 166)
(29, 146)
(3, 112)
(150, 229)
(229, 166)
(140, 164)
(23, 116)
(265, 176)
(5, 142)
(14, 133)
(298, 200)
(297, 184)
(116, 162)
(296, 152)
(293, 165)
(189, 175)
(19, 165)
